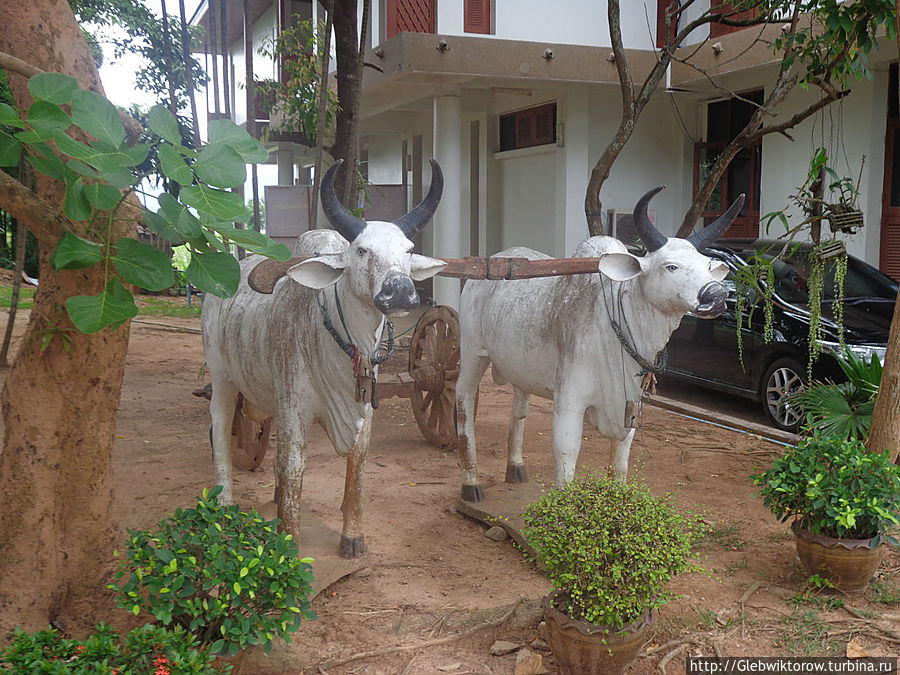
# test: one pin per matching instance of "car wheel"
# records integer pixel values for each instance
(784, 377)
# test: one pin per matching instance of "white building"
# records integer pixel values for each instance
(517, 102)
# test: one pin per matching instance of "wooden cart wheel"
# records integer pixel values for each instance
(434, 365)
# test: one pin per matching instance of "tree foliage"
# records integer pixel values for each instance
(101, 175)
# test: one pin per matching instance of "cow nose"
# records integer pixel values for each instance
(397, 295)
(711, 300)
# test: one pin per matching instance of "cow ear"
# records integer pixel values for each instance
(422, 267)
(718, 270)
(318, 272)
(620, 266)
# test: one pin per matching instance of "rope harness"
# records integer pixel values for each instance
(648, 371)
(363, 364)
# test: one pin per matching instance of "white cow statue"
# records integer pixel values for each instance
(584, 341)
(304, 353)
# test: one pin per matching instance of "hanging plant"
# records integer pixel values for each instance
(815, 287)
(752, 288)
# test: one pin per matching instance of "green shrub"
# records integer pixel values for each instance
(835, 487)
(226, 576)
(609, 547)
(145, 650)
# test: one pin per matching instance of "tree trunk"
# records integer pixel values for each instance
(349, 62)
(885, 431)
(60, 398)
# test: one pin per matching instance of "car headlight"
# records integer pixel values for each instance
(863, 352)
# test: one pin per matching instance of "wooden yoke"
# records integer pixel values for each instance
(264, 276)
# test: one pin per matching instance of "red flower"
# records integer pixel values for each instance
(79, 649)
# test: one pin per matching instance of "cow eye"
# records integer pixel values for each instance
(362, 251)
(672, 267)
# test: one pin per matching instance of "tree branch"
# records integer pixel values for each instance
(46, 223)
(796, 118)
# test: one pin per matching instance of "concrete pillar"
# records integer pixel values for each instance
(573, 168)
(285, 159)
(447, 223)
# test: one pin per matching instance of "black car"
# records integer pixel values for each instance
(705, 351)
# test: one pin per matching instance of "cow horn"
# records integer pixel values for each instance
(648, 233)
(347, 225)
(413, 222)
(717, 228)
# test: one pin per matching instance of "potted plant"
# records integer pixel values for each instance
(226, 576)
(842, 498)
(609, 549)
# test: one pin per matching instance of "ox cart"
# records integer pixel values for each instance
(433, 367)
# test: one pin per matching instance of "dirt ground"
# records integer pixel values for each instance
(431, 574)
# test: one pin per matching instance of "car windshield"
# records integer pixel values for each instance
(792, 272)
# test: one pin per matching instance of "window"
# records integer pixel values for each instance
(410, 16)
(477, 16)
(717, 29)
(529, 127)
(725, 119)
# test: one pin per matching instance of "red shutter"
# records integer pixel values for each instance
(663, 6)
(410, 16)
(717, 29)
(477, 16)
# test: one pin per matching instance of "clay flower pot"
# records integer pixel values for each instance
(848, 563)
(582, 648)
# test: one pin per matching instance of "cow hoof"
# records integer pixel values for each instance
(472, 493)
(516, 473)
(352, 547)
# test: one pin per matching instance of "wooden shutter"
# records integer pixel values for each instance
(410, 16)
(477, 16)
(663, 6)
(890, 250)
(717, 29)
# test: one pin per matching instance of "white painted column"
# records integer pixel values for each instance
(285, 159)
(572, 169)
(447, 223)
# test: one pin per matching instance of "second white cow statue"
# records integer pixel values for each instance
(585, 341)
(309, 351)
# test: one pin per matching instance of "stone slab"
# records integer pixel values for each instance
(504, 505)
(319, 542)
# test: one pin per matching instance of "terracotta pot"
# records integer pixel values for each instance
(848, 563)
(236, 662)
(582, 648)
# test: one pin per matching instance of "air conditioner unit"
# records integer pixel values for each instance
(620, 225)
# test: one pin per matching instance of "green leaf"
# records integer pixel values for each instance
(112, 307)
(53, 87)
(220, 165)
(237, 588)
(102, 196)
(174, 166)
(164, 554)
(97, 116)
(177, 214)
(162, 227)
(76, 205)
(50, 166)
(228, 133)
(81, 168)
(252, 241)
(45, 117)
(100, 155)
(163, 124)
(221, 204)
(10, 117)
(216, 273)
(143, 265)
(120, 178)
(10, 150)
(75, 253)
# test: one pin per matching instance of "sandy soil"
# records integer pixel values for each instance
(431, 574)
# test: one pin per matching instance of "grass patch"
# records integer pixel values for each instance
(885, 592)
(724, 536)
(162, 306)
(805, 634)
(26, 295)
